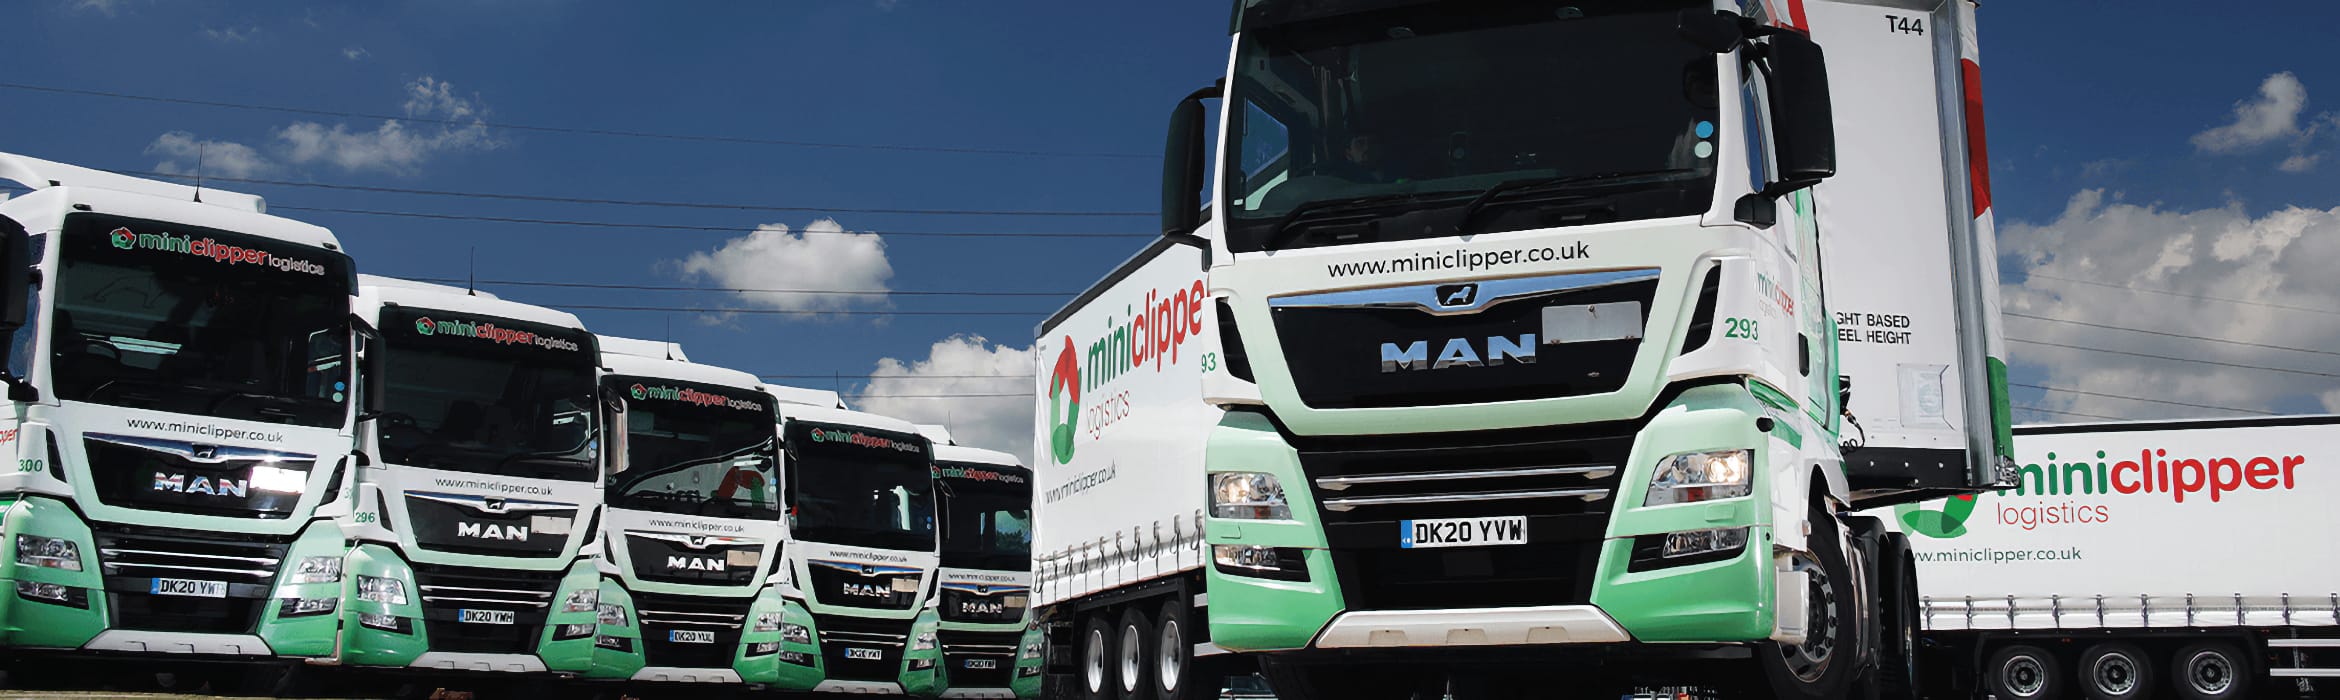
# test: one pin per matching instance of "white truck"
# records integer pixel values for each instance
(986, 575)
(2182, 559)
(1517, 334)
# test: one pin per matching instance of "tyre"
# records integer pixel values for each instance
(2023, 672)
(2114, 671)
(1897, 667)
(1096, 671)
(1177, 676)
(1823, 666)
(1134, 656)
(2210, 671)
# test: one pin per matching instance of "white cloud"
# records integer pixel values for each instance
(394, 146)
(2300, 163)
(2281, 258)
(822, 257)
(355, 53)
(961, 366)
(232, 35)
(184, 154)
(2271, 116)
(106, 7)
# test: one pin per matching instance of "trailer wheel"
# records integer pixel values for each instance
(2115, 671)
(1134, 654)
(1822, 666)
(1177, 675)
(2210, 671)
(2023, 672)
(1098, 681)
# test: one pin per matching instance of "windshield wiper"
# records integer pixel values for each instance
(1523, 189)
(1289, 226)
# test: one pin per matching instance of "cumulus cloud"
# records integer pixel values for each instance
(2271, 116)
(232, 35)
(395, 146)
(990, 386)
(822, 257)
(184, 154)
(355, 53)
(2277, 259)
(105, 7)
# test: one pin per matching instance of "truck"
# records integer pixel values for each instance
(692, 526)
(476, 491)
(986, 574)
(855, 595)
(180, 409)
(1510, 334)
(2121, 564)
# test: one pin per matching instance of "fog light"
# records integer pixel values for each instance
(386, 623)
(52, 593)
(797, 657)
(921, 664)
(574, 630)
(296, 607)
(762, 648)
(1280, 563)
(1688, 547)
(1248, 496)
(614, 643)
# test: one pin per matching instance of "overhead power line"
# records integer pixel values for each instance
(509, 196)
(791, 312)
(945, 396)
(2166, 334)
(685, 227)
(661, 288)
(586, 131)
(2061, 390)
(2076, 414)
(857, 376)
(2165, 292)
(2174, 359)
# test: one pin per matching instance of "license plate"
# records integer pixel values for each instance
(1585, 323)
(485, 617)
(865, 654)
(190, 588)
(1462, 532)
(981, 664)
(905, 585)
(690, 636)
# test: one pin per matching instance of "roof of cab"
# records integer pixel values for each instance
(123, 195)
(624, 356)
(373, 289)
(975, 455)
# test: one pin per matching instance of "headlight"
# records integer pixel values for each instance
(611, 614)
(1031, 651)
(48, 552)
(1700, 476)
(376, 589)
(767, 622)
(1248, 496)
(582, 600)
(326, 569)
(925, 642)
(795, 634)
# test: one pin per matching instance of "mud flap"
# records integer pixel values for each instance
(1867, 535)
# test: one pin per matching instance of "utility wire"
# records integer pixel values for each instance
(687, 227)
(2149, 290)
(896, 376)
(660, 288)
(2067, 413)
(805, 312)
(2011, 314)
(944, 396)
(2062, 390)
(2173, 359)
(543, 128)
(509, 196)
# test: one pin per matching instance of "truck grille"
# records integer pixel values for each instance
(839, 634)
(874, 586)
(965, 652)
(1563, 481)
(690, 631)
(130, 562)
(447, 591)
(989, 604)
(176, 476)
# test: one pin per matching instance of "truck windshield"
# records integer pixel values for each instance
(860, 488)
(184, 319)
(987, 516)
(464, 392)
(696, 449)
(1428, 121)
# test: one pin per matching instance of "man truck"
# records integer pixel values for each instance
(477, 488)
(986, 576)
(180, 408)
(2174, 559)
(853, 601)
(693, 517)
(1529, 332)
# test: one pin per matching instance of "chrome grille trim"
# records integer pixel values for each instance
(1338, 483)
(1344, 504)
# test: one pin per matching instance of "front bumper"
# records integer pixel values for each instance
(425, 630)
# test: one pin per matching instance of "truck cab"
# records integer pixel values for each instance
(479, 486)
(180, 409)
(857, 602)
(986, 576)
(693, 518)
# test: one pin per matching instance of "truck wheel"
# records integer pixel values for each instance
(1822, 666)
(2023, 672)
(1176, 674)
(1098, 681)
(2115, 671)
(2210, 671)
(1133, 656)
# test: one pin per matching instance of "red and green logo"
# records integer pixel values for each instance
(1064, 403)
(425, 326)
(1947, 523)
(639, 392)
(124, 239)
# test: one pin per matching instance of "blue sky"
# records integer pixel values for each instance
(2082, 96)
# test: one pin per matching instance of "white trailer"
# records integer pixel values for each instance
(2180, 559)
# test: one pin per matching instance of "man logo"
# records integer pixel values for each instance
(492, 531)
(681, 563)
(1453, 295)
(867, 570)
(698, 541)
(865, 590)
(1458, 352)
(492, 505)
(982, 590)
(203, 452)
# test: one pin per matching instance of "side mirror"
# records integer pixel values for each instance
(1718, 31)
(15, 295)
(371, 384)
(1844, 388)
(1183, 169)
(1803, 119)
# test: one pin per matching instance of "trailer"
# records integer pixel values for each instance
(2178, 559)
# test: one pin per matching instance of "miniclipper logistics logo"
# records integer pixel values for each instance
(124, 239)
(425, 326)
(1944, 524)
(639, 392)
(1064, 403)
